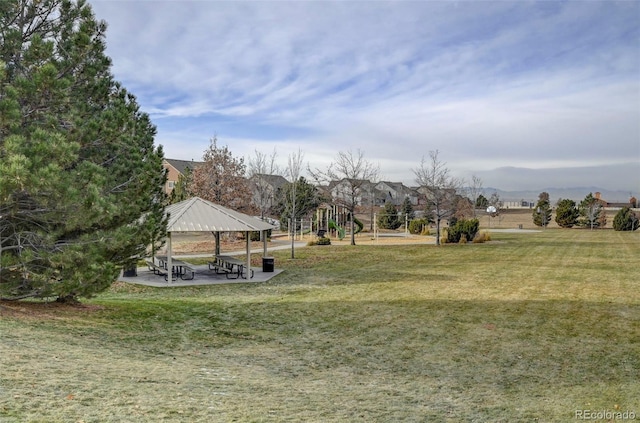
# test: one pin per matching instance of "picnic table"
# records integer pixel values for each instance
(178, 268)
(232, 267)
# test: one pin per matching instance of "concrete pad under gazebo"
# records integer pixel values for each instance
(204, 276)
(199, 215)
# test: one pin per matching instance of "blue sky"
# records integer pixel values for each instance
(549, 86)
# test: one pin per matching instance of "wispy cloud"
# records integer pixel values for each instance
(490, 84)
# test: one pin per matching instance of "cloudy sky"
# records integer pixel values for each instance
(525, 95)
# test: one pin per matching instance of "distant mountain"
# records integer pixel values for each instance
(576, 194)
(615, 182)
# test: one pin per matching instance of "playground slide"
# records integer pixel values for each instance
(359, 225)
(334, 225)
(341, 231)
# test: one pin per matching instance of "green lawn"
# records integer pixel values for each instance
(529, 327)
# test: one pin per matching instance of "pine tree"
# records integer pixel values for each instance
(626, 220)
(542, 211)
(180, 190)
(566, 213)
(80, 179)
(388, 219)
(307, 199)
(592, 212)
(407, 209)
(482, 202)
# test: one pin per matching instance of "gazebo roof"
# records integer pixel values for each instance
(198, 215)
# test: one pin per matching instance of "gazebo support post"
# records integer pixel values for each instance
(248, 238)
(169, 259)
(264, 243)
(217, 236)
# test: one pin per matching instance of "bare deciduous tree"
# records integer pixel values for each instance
(474, 190)
(439, 187)
(260, 167)
(294, 167)
(354, 174)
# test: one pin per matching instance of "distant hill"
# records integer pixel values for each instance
(616, 182)
(576, 194)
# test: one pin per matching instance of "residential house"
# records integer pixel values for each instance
(264, 189)
(446, 196)
(633, 202)
(396, 192)
(175, 169)
(343, 191)
(368, 193)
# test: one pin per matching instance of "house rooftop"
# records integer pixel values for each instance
(182, 165)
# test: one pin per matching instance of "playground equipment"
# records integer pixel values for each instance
(359, 225)
(339, 229)
(341, 232)
(336, 220)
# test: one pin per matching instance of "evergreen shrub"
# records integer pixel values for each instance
(323, 241)
(418, 226)
(466, 227)
(626, 220)
(255, 235)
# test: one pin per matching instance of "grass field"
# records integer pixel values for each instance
(530, 327)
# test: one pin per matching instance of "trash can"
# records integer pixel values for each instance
(267, 264)
(130, 271)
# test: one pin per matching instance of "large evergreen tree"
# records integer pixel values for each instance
(80, 179)
(307, 199)
(592, 212)
(626, 220)
(542, 211)
(482, 202)
(407, 209)
(388, 218)
(566, 213)
(180, 191)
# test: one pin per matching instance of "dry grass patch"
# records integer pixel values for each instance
(528, 328)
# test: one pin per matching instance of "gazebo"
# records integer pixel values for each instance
(199, 215)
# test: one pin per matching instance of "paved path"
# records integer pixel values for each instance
(270, 247)
(515, 231)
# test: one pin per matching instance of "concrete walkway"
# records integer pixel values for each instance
(272, 247)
